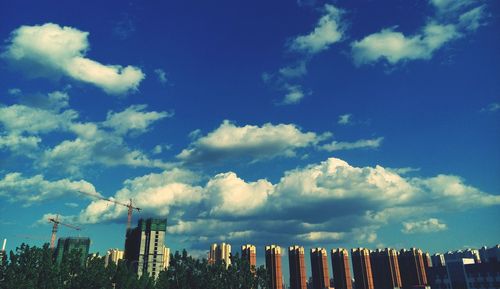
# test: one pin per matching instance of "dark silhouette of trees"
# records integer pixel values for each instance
(35, 268)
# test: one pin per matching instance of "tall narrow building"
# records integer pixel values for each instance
(341, 269)
(385, 269)
(319, 267)
(297, 267)
(145, 247)
(361, 266)
(113, 256)
(411, 265)
(220, 252)
(273, 266)
(249, 253)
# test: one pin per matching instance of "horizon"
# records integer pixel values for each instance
(327, 124)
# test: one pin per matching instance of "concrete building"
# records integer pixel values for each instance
(297, 267)
(411, 265)
(249, 253)
(438, 260)
(341, 269)
(463, 254)
(361, 266)
(273, 266)
(145, 247)
(166, 258)
(3, 254)
(220, 252)
(319, 267)
(113, 256)
(490, 254)
(67, 245)
(385, 269)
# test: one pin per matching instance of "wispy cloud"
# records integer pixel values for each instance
(161, 75)
(345, 119)
(492, 107)
(359, 144)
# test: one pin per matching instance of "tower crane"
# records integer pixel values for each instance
(55, 227)
(129, 206)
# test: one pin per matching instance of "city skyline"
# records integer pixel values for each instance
(320, 123)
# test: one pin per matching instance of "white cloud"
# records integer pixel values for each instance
(230, 195)
(321, 203)
(19, 144)
(345, 119)
(19, 119)
(395, 47)
(28, 191)
(425, 226)
(327, 31)
(293, 96)
(249, 141)
(49, 49)
(162, 76)
(133, 119)
(473, 19)
(359, 144)
(449, 6)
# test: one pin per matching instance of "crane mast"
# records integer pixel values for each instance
(55, 227)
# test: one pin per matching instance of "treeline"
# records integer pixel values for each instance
(35, 268)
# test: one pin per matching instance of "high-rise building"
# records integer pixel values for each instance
(220, 252)
(67, 245)
(113, 256)
(273, 266)
(491, 254)
(361, 266)
(297, 267)
(166, 257)
(411, 265)
(385, 269)
(249, 253)
(463, 254)
(438, 260)
(3, 254)
(341, 269)
(145, 247)
(319, 267)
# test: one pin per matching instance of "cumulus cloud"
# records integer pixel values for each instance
(359, 144)
(52, 50)
(17, 188)
(394, 46)
(94, 143)
(425, 226)
(453, 20)
(326, 202)
(252, 142)
(133, 119)
(327, 31)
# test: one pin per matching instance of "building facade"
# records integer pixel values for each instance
(361, 266)
(273, 266)
(412, 268)
(145, 247)
(385, 269)
(297, 267)
(113, 256)
(220, 252)
(249, 253)
(319, 267)
(341, 269)
(67, 245)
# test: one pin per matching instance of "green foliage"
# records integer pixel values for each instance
(35, 268)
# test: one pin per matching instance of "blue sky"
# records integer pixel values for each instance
(319, 123)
